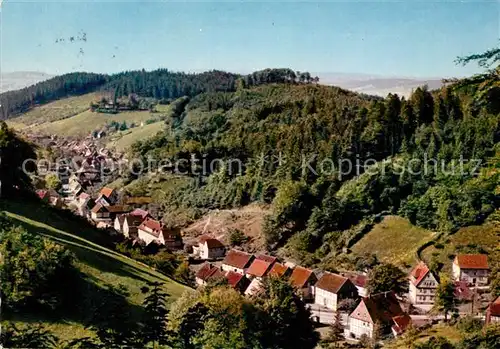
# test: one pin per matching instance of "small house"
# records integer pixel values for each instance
(333, 288)
(303, 280)
(279, 270)
(143, 214)
(360, 281)
(237, 281)
(380, 313)
(471, 268)
(237, 261)
(151, 230)
(99, 213)
(204, 273)
(108, 195)
(209, 248)
(423, 285)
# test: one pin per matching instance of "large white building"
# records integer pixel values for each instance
(423, 285)
(209, 248)
(332, 288)
(382, 309)
(471, 268)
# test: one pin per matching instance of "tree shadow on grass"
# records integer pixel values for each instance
(86, 251)
(88, 302)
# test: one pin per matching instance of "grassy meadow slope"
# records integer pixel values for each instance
(124, 139)
(84, 123)
(103, 269)
(394, 240)
(54, 111)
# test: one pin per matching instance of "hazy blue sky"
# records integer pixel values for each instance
(404, 38)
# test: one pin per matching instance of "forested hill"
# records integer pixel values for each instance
(160, 84)
(300, 146)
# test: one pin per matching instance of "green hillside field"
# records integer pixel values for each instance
(84, 123)
(124, 139)
(394, 240)
(102, 268)
(54, 111)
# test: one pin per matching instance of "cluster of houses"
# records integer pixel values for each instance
(373, 313)
(245, 272)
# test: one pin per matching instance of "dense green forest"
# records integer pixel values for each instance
(160, 84)
(305, 149)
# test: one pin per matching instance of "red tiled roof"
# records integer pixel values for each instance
(210, 241)
(139, 212)
(98, 208)
(237, 259)
(266, 258)
(418, 273)
(233, 278)
(259, 268)
(206, 271)
(358, 280)
(472, 261)
(152, 224)
(107, 192)
(401, 323)
(300, 276)
(217, 274)
(331, 282)
(278, 270)
(494, 308)
(381, 307)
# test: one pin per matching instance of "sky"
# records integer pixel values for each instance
(388, 38)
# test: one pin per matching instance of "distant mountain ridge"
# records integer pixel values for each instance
(20, 79)
(378, 85)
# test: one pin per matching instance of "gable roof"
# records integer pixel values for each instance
(83, 196)
(210, 241)
(120, 218)
(359, 280)
(331, 282)
(418, 273)
(206, 271)
(259, 268)
(97, 208)
(132, 221)
(152, 224)
(107, 192)
(472, 261)
(237, 259)
(141, 213)
(266, 258)
(234, 278)
(382, 307)
(300, 276)
(278, 270)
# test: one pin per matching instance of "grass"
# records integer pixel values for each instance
(440, 330)
(100, 266)
(394, 240)
(84, 123)
(123, 140)
(485, 236)
(54, 111)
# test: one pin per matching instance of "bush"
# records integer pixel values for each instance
(236, 237)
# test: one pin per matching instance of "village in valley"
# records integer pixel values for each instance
(331, 297)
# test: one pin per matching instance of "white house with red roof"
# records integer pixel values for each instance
(303, 280)
(237, 261)
(107, 196)
(332, 288)
(209, 248)
(471, 268)
(423, 285)
(152, 230)
(381, 308)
